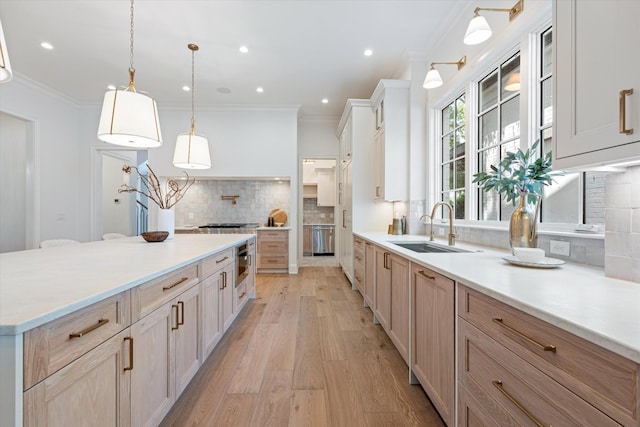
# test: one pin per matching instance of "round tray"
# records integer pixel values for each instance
(545, 263)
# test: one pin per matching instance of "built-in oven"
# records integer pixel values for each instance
(243, 262)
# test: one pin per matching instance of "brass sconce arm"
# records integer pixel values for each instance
(461, 63)
(232, 198)
(513, 12)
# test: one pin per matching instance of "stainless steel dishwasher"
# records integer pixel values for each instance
(323, 239)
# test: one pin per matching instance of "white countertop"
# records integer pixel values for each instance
(274, 228)
(37, 286)
(576, 298)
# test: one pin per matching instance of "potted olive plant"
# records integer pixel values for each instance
(520, 177)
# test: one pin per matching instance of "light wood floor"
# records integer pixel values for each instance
(304, 353)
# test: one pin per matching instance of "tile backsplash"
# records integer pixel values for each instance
(622, 225)
(314, 214)
(256, 199)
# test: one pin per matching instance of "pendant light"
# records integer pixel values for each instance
(192, 150)
(5, 66)
(128, 117)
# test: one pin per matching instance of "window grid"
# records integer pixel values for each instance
(453, 156)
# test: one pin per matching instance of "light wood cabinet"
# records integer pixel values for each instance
(251, 280)
(369, 274)
(307, 240)
(433, 348)
(187, 342)
(390, 101)
(591, 68)
(273, 250)
(358, 263)
(91, 391)
(226, 296)
(217, 306)
(382, 301)
(558, 377)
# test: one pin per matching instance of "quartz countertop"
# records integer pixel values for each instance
(576, 298)
(40, 285)
(274, 228)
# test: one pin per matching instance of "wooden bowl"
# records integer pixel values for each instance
(155, 236)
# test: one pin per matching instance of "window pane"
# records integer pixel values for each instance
(547, 102)
(460, 173)
(447, 176)
(489, 91)
(547, 52)
(546, 139)
(506, 209)
(447, 147)
(510, 118)
(460, 140)
(510, 77)
(460, 111)
(458, 205)
(448, 118)
(509, 147)
(489, 128)
(488, 206)
(487, 158)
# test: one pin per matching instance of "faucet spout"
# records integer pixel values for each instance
(452, 236)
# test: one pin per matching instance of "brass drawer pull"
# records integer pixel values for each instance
(623, 111)
(174, 306)
(498, 385)
(421, 272)
(181, 320)
(548, 347)
(91, 328)
(242, 295)
(222, 280)
(358, 258)
(184, 279)
(130, 367)
(218, 261)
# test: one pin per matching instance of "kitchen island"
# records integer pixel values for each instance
(126, 284)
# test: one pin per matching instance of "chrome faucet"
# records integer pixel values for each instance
(452, 237)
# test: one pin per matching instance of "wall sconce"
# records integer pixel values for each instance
(479, 29)
(433, 78)
(5, 66)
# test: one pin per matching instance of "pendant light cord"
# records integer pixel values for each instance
(193, 90)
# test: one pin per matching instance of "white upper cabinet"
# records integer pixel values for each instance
(326, 186)
(596, 66)
(390, 104)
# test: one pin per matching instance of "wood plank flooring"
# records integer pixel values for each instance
(305, 352)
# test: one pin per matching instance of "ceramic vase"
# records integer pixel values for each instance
(167, 221)
(523, 230)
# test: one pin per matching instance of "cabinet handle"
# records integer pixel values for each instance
(358, 258)
(242, 295)
(344, 213)
(184, 279)
(91, 328)
(367, 243)
(218, 261)
(130, 367)
(623, 111)
(181, 320)
(426, 275)
(498, 385)
(222, 280)
(250, 262)
(174, 306)
(386, 261)
(378, 191)
(548, 347)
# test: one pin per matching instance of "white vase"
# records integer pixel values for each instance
(167, 221)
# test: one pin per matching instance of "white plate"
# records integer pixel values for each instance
(545, 263)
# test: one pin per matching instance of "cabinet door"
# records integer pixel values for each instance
(91, 391)
(587, 106)
(382, 304)
(226, 296)
(399, 324)
(433, 335)
(211, 329)
(378, 164)
(346, 255)
(369, 274)
(152, 378)
(326, 187)
(187, 338)
(307, 241)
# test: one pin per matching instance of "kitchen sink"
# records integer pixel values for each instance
(424, 247)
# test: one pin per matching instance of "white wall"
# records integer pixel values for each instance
(117, 217)
(317, 137)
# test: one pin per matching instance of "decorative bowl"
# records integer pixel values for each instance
(155, 236)
(529, 254)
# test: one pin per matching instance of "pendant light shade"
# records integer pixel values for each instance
(5, 66)
(513, 83)
(477, 31)
(432, 80)
(192, 150)
(129, 118)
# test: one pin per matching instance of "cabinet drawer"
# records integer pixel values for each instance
(240, 294)
(264, 235)
(215, 262)
(358, 243)
(273, 261)
(358, 256)
(273, 246)
(151, 295)
(518, 387)
(479, 410)
(53, 345)
(608, 381)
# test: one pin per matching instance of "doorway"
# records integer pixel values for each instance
(319, 212)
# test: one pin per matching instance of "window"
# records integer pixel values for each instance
(452, 165)
(498, 130)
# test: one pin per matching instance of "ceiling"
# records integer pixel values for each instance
(300, 51)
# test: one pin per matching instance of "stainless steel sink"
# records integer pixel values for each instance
(424, 247)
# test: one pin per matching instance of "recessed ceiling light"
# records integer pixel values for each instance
(46, 45)
(325, 101)
(111, 87)
(368, 52)
(224, 90)
(259, 89)
(186, 88)
(244, 49)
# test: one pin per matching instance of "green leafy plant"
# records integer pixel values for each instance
(517, 174)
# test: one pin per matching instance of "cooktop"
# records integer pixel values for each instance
(230, 225)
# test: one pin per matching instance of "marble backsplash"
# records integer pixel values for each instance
(314, 214)
(202, 203)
